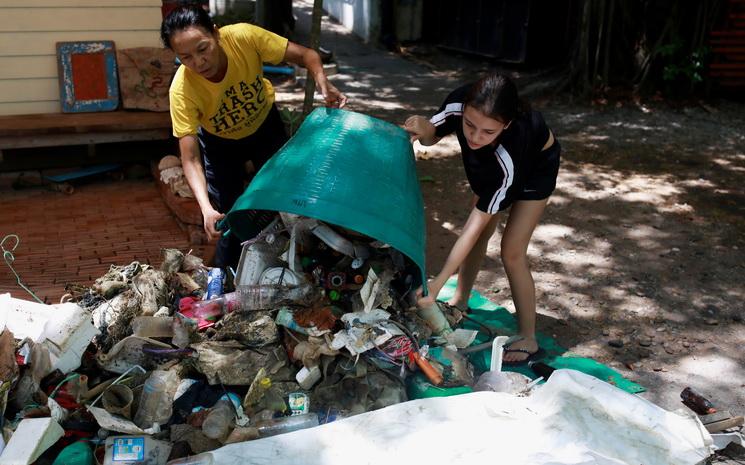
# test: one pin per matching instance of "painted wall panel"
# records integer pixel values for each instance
(79, 19)
(29, 30)
(29, 90)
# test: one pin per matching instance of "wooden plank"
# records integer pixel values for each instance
(724, 424)
(728, 73)
(728, 33)
(29, 90)
(23, 108)
(80, 19)
(54, 140)
(66, 123)
(78, 3)
(42, 43)
(725, 66)
(28, 67)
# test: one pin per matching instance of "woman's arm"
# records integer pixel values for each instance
(191, 161)
(475, 225)
(310, 60)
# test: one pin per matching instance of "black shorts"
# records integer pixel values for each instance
(540, 182)
(225, 172)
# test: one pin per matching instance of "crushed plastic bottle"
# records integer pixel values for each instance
(157, 398)
(263, 297)
(219, 420)
(283, 425)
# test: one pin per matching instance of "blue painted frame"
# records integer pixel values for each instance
(69, 103)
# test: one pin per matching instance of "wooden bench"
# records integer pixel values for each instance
(58, 129)
(727, 45)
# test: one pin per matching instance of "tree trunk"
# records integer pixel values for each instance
(315, 41)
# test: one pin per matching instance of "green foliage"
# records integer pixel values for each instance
(292, 119)
(680, 66)
(245, 14)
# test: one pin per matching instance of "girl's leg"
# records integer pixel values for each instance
(521, 223)
(471, 265)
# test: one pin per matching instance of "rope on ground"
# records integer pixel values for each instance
(9, 258)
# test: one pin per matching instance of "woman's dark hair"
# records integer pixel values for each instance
(495, 95)
(182, 18)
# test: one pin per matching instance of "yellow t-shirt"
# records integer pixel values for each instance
(236, 106)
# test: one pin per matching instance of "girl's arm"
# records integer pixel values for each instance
(421, 129)
(310, 60)
(475, 225)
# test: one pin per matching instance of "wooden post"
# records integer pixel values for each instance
(315, 41)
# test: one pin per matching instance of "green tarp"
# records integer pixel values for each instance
(346, 169)
(500, 321)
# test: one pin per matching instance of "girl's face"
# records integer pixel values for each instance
(199, 51)
(480, 130)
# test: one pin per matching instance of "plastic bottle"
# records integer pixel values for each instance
(435, 319)
(214, 283)
(152, 326)
(219, 420)
(697, 402)
(157, 398)
(263, 297)
(285, 424)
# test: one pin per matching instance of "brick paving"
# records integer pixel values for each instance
(75, 238)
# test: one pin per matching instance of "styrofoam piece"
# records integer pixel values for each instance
(32, 437)
(23, 318)
(497, 350)
(67, 334)
(64, 329)
(573, 418)
(307, 377)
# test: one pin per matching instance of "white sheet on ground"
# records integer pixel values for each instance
(573, 419)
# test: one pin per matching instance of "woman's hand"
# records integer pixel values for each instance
(421, 129)
(331, 95)
(211, 217)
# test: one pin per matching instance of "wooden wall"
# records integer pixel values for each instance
(29, 30)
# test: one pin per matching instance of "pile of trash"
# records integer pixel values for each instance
(316, 324)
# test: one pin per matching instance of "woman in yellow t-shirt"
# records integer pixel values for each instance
(223, 111)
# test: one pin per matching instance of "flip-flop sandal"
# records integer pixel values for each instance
(537, 355)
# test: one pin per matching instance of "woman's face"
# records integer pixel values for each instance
(199, 51)
(480, 130)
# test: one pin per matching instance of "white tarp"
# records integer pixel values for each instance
(573, 419)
